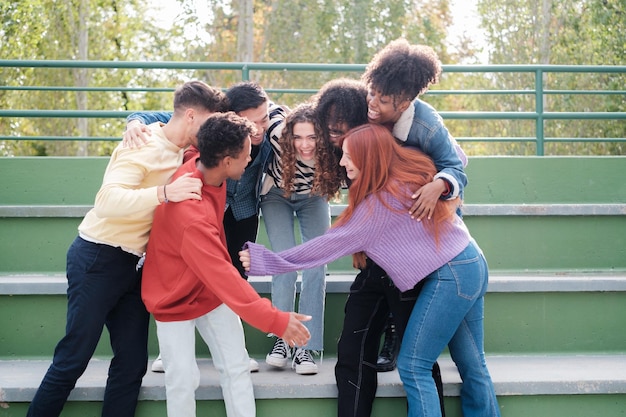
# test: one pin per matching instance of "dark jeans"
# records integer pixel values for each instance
(372, 297)
(239, 232)
(104, 288)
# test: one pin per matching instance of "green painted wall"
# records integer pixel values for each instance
(518, 323)
(492, 180)
(511, 243)
(531, 180)
(510, 406)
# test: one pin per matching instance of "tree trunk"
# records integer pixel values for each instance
(81, 75)
(245, 28)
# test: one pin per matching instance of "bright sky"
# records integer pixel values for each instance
(465, 18)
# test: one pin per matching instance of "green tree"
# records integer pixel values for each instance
(581, 32)
(69, 30)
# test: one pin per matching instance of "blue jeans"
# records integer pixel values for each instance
(104, 288)
(313, 213)
(449, 311)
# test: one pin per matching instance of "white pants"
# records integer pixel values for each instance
(222, 331)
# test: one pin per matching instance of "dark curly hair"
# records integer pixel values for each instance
(327, 179)
(402, 70)
(342, 100)
(222, 135)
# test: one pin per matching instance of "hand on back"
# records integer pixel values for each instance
(136, 135)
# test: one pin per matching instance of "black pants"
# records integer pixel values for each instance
(104, 289)
(238, 233)
(372, 297)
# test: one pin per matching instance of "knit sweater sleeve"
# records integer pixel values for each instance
(204, 252)
(356, 235)
(126, 187)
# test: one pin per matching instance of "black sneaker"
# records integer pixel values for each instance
(279, 354)
(303, 362)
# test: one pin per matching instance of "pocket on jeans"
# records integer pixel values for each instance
(468, 275)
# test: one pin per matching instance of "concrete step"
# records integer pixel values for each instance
(565, 281)
(512, 376)
(525, 314)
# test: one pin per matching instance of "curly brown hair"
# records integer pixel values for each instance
(327, 179)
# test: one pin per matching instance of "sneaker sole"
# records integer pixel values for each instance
(157, 367)
(386, 368)
(275, 362)
(306, 370)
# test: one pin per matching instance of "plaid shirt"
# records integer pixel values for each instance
(243, 196)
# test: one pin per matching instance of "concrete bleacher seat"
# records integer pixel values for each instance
(553, 231)
(512, 376)
(519, 374)
(24, 284)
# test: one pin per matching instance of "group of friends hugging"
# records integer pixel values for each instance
(173, 228)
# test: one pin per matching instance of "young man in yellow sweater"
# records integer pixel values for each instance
(104, 263)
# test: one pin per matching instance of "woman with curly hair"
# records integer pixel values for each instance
(303, 175)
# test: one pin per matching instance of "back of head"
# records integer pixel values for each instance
(384, 165)
(245, 95)
(341, 101)
(372, 150)
(403, 70)
(222, 135)
(199, 95)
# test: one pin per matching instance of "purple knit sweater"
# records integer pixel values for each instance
(402, 246)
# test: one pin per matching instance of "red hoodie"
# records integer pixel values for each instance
(188, 271)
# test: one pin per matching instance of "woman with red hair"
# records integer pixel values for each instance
(437, 253)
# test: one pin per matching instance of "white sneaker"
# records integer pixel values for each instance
(254, 365)
(157, 365)
(303, 362)
(279, 354)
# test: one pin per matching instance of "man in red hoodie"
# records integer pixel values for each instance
(190, 283)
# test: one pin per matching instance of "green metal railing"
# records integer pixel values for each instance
(539, 91)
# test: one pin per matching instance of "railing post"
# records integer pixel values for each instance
(539, 127)
(245, 73)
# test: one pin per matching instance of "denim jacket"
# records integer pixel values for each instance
(421, 126)
(242, 196)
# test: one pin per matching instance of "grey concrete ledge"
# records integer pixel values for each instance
(44, 211)
(512, 375)
(34, 284)
(544, 209)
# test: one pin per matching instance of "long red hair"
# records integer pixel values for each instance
(385, 166)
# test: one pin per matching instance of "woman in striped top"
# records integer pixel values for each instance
(303, 175)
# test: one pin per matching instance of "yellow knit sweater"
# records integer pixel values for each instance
(124, 206)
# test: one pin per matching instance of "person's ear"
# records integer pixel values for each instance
(190, 114)
(404, 105)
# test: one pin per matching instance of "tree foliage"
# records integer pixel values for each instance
(578, 32)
